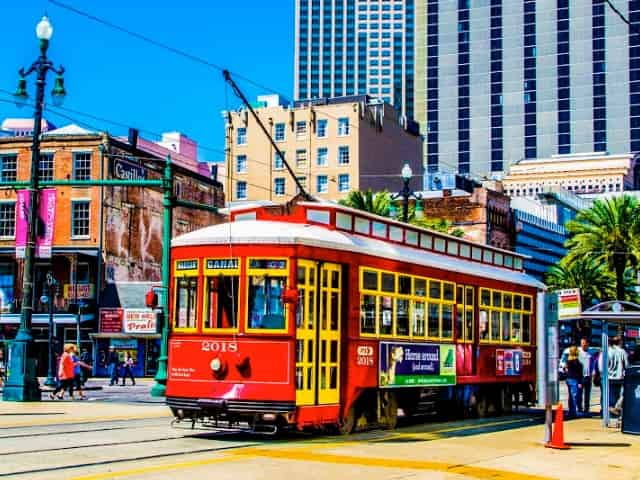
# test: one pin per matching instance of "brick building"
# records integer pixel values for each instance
(107, 241)
(483, 214)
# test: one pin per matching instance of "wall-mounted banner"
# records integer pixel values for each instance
(416, 364)
(47, 222)
(111, 320)
(509, 362)
(80, 291)
(124, 170)
(140, 320)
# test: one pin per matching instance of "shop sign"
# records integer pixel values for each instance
(124, 343)
(124, 170)
(140, 320)
(509, 362)
(416, 364)
(79, 291)
(111, 320)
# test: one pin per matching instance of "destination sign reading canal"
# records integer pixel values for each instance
(222, 264)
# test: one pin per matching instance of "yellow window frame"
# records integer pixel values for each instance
(412, 298)
(273, 273)
(463, 308)
(502, 294)
(212, 272)
(180, 272)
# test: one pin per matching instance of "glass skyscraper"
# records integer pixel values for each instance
(491, 82)
(502, 80)
(352, 47)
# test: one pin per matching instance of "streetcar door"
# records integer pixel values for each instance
(306, 331)
(329, 334)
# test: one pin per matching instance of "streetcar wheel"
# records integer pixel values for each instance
(348, 423)
(389, 411)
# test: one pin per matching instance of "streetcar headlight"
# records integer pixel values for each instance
(216, 364)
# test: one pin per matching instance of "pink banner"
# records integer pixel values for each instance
(47, 214)
(22, 221)
(47, 219)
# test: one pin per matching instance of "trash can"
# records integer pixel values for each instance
(631, 404)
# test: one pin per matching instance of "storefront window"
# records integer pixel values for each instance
(6, 287)
(222, 302)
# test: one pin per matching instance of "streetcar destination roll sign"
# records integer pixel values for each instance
(416, 364)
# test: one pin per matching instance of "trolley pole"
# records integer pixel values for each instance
(160, 387)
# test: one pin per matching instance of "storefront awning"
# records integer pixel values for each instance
(39, 319)
(124, 335)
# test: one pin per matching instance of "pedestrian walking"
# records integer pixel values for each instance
(85, 357)
(78, 366)
(127, 368)
(2, 367)
(65, 374)
(587, 361)
(112, 364)
(618, 360)
(574, 380)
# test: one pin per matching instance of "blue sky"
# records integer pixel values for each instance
(120, 78)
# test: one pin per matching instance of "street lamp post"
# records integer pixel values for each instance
(22, 382)
(406, 193)
(51, 284)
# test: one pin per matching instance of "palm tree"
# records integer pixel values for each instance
(594, 280)
(368, 201)
(605, 234)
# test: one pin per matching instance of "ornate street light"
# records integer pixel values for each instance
(22, 382)
(406, 193)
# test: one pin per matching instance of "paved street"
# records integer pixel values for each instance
(132, 439)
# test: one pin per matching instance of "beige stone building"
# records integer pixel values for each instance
(579, 173)
(333, 145)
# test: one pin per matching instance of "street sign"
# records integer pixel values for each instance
(568, 303)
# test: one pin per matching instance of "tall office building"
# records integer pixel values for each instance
(502, 80)
(352, 47)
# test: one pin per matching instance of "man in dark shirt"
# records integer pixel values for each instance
(112, 364)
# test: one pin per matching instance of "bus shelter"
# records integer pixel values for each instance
(616, 312)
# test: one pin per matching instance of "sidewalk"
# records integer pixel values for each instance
(98, 389)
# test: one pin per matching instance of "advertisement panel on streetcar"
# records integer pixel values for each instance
(416, 364)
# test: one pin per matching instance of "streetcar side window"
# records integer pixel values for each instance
(505, 317)
(400, 305)
(186, 303)
(464, 313)
(221, 310)
(266, 308)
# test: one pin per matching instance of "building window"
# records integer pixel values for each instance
(303, 183)
(343, 155)
(323, 185)
(322, 128)
(343, 127)
(278, 186)
(45, 167)
(80, 215)
(278, 161)
(280, 129)
(301, 130)
(9, 166)
(241, 164)
(301, 158)
(241, 190)
(242, 136)
(323, 157)
(82, 166)
(7, 220)
(343, 182)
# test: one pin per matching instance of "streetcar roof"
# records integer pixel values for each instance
(285, 233)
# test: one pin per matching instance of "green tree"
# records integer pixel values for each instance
(605, 234)
(438, 224)
(595, 281)
(369, 201)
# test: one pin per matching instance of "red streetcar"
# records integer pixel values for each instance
(315, 315)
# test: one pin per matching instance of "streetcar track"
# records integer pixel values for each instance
(68, 432)
(82, 422)
(125, 460)
(90, 445)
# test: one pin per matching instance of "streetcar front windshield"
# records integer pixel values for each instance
(266, 308)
